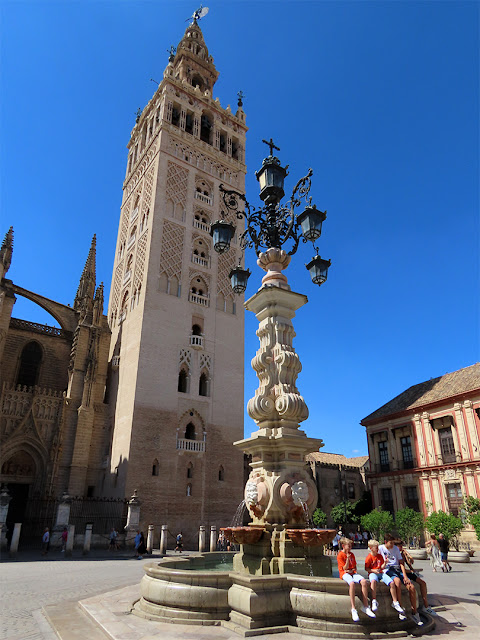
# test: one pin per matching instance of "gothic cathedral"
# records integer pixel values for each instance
(149, 397)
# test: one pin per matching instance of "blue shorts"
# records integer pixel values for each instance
(395, 572)
(374, 577)
(444, 556)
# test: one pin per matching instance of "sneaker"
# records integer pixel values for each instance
(402, 616)
(139, 558)
(416, 617)
(430, 611)
(398, 607)
(355, 616)
(369, 612)
(374, 605)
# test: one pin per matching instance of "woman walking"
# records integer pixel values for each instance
(433, 551)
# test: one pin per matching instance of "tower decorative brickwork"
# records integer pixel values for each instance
(176, 356)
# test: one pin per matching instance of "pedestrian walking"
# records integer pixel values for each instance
(433, 551)
(141, 549)
(136, 542)
(179, 540)
(45, 541)
(444, 546)
(64, 539)
(112, 544)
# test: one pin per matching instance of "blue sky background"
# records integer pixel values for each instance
(379, 98)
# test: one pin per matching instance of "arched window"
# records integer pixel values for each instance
(182, 380)
(124, 306)
(197, 81)
(203, 385)
(155, 467)
(190, 470)
(206, 128)
(190, 431)
(196, 330)
(29, 364)
(221, 474)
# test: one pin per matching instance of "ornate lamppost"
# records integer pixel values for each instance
(280, 492)
(273, 225)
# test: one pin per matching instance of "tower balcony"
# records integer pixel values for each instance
(203, 262)
(196, 298)
(203, 198)
(196, 342)
(190, 445)
(201, 225)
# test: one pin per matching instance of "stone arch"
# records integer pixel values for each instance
(65, 316)
(203, 186)
(35, 450)
(199, 285)
(191, 415)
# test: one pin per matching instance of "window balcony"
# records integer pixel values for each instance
(203, 262)
(134, 214)
(203, 226)
(203, 301)
(196, 342)
(203, 198)
(190, 445)
(131, 241)
(127, 277)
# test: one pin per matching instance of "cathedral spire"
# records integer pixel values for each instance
(86, 287)
(6, 252)
(98, 305)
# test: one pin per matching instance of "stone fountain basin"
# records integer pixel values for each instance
(243, 535)
(311, 537)
(183, 590)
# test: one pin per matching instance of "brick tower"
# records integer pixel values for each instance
(176, 358)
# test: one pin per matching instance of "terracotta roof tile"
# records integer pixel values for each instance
(336, 458)
(451, 384)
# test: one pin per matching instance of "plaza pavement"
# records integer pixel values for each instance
(35, 589)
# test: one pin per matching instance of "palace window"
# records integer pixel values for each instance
(30, 364)
(383, 454)
(411, 498)
(446, 445)
(407, 453)
(386, 498)
(454, 497)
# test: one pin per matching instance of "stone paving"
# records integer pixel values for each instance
(107, 585)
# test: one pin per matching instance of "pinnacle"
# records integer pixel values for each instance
(8, 239)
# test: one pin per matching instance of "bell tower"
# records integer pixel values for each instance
(176, 357)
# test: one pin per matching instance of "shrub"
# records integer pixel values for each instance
(446, 523)
(378, 523)
(319, 518)
(409, 523)
(472, 505)
(475, 522)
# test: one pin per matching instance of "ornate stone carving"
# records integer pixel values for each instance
(273, 261)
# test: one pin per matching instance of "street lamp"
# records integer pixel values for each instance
(273, 224)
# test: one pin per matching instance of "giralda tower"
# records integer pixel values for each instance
(176, 355)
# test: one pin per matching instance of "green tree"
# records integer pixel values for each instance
(319, 518)
(472, 505)
(475, 522)
(446, 523)
(343, 513)
(378, 523)
(409, 523)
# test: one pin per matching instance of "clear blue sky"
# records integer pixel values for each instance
(379, 98)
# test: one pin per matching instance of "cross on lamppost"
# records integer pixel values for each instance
(272, 146)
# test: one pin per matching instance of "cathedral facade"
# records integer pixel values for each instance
(150, 396)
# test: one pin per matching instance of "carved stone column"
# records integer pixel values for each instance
(422, 458)
(133, 518)
(427, 493)
(429, 439)
(462, 435)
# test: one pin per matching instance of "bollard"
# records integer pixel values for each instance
(213, 538)
(70, 540)
(15, 539)
(150, 538)
(88, 539)
(163, 539)
(201, 539)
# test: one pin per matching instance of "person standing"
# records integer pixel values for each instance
(64, 539)
(433, 550)
(141, 547)
(444, 546)
(335, 543)
(113, 540)
(45, 541)
(179, 541)
(136, 543)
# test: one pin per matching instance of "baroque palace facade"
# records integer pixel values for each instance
(135, 400)
(424, 446)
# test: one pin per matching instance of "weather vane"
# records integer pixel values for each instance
(201, 12)
(241, 96)
(171, 53)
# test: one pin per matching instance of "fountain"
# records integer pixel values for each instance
(280, 578)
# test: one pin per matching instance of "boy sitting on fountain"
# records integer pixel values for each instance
(412, 575)
(395, 568)
(347, 568)
(374, 566)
